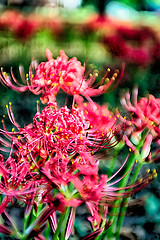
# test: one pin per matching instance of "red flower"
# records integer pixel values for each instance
(145, 112)
(60, 73)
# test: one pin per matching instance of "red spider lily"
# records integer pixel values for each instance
(60, 130)
(101, 118)
(17, 180)
(60, 73)
(145, 112)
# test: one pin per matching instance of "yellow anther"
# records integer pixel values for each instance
(81, 138)
(108, 69)
(117, 115)
(102, 134)
(32, 75)
(85, 104)
(115, 118)
(27, 75)
(91, 126)
(67, 137)
(154, 171)
(115, 75)
(10, 103)
(130, 149)
(148, 170)
(113, 79)
(110, 116)
(107, 80)
(29, 150)
(104, 114)
(60, 129)
(53, 74)
(86, 112)
(113, 131)
(4, 116)
(130, 123)
(155, 175)
(90, 75)
(136, 161)
(96, 74)
(6, 106)
(124, 117)
(18, 137)
(37, 101)
(92, 152)
(12, 129)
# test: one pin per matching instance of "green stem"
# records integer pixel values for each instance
(116, 210)
(64, 223)
(112, 164)
(60, 221)
(126, 200)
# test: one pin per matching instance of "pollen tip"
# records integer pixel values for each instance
(148, 170)
(107, 80)
(10, 103)
(154, 173)
(6, 106)
(130, 150)
(12, 129)
(115, 75)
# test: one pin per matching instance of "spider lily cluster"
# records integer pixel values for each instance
(52, 166)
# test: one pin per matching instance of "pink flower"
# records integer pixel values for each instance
(145, 112)
(60, 73)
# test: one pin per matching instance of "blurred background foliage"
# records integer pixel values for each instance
(100, 34)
